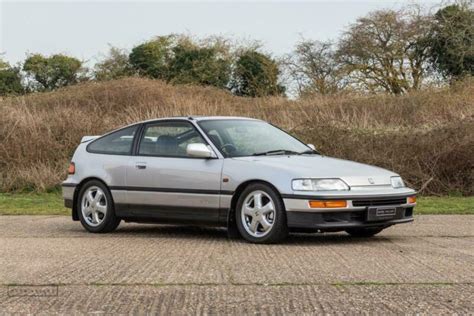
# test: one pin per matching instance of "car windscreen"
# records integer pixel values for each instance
(239, 138)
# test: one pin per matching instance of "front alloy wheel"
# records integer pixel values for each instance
(261, 216)
(258, 214)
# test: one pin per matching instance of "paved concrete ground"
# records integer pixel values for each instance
(50, 264)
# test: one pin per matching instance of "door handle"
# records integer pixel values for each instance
(140, 165)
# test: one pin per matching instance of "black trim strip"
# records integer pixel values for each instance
(346, 197)
(161, 207)
(171, 214)
(136, 139)
(170, 190)
(69, 185)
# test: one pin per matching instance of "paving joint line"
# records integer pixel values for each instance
(337, 284)
(117, 236)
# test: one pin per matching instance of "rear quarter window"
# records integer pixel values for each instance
(116, 143)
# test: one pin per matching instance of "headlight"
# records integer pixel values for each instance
(319, 185)
(397, 182)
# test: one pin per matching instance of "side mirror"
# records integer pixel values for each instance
(311, 146)
(199, 150)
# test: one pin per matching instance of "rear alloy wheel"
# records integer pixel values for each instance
(95, 207)
(364, 232)
(260, 215)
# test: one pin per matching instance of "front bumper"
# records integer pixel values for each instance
(355, 214)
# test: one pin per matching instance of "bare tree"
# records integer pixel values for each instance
(387, 50)
(314, 68)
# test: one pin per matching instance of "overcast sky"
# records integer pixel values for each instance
(85, 28)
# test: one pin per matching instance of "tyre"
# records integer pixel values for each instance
(96, 209)
(364, 232)
(261, 215)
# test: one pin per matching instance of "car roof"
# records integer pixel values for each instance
(200, 118)
(187, 118)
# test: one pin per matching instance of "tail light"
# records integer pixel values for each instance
(72, 168)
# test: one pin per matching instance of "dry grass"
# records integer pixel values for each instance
(427, 136)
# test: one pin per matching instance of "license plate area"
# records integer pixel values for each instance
(383, 213)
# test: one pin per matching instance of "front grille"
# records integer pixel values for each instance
(379, 202)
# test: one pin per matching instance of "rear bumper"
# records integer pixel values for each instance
(68, 190)
(355, 214)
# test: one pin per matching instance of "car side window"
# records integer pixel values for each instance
(117, 143)
(216, 139)
(168, 139)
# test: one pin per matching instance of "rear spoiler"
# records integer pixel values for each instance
(88, 138)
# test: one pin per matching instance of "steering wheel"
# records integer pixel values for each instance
(228, 148)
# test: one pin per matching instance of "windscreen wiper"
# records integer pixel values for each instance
(276, 152)
(309, 151)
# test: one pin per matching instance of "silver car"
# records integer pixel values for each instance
(240, 173)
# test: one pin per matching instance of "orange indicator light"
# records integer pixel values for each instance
(411, 200)
(328, 204)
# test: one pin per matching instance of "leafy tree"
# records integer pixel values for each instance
(116, 65)
(52, 72)
(205, 64)
(10, 79)
(256, 75)
(387, 50)
(315, 69)
(453, 40)
(151, 59)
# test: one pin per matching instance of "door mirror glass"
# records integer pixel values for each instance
(312, 146)
(199, 150)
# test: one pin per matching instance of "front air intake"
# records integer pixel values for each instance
(379, 202)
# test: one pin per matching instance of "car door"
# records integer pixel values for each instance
(163, 182)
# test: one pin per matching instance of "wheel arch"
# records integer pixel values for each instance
(75, 214)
